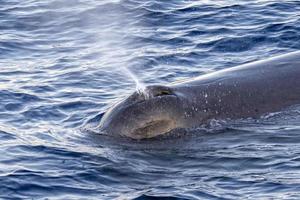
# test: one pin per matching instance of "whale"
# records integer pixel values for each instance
(246, 91)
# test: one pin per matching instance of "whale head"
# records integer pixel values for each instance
(157, 110)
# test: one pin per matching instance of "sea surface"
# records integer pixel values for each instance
(64, 62)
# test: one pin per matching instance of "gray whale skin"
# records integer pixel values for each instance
(248, 90)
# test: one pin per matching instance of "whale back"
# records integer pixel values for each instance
(248, 90)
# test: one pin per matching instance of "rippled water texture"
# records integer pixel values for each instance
(62, 63)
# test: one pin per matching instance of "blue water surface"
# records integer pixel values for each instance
(62, 65)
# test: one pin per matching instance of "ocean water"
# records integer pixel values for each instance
(64, 62)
